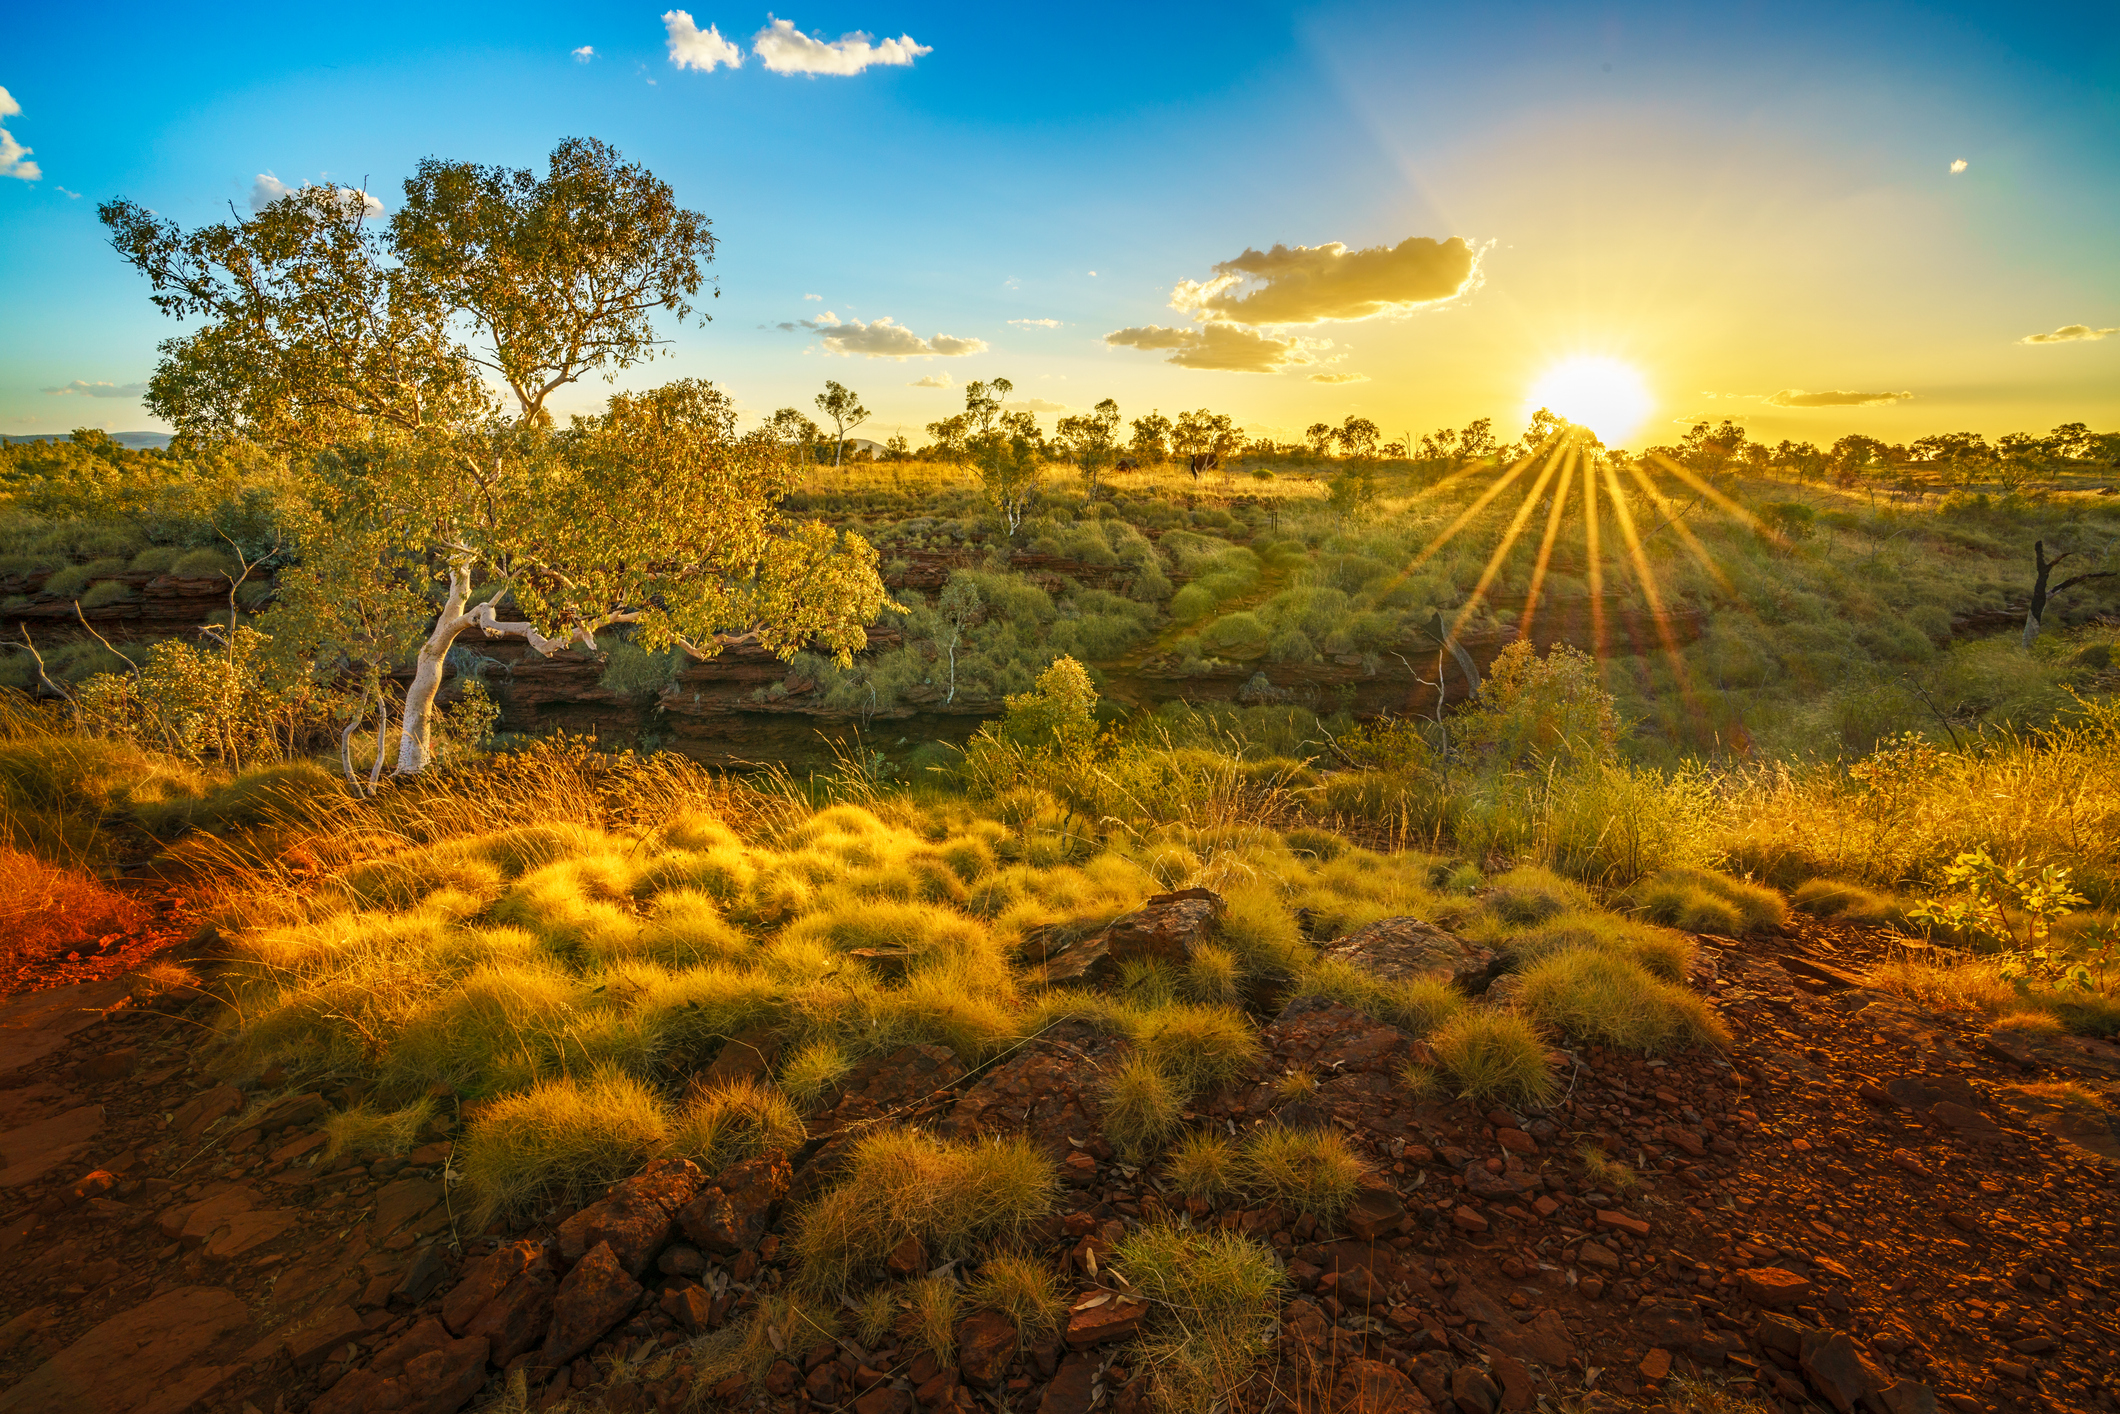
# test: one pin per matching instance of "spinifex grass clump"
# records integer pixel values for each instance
(949, 1195)
(1213, 1297)
(1598, 996)
(1494, 1055)
(1703, 901)
(1310, 1170)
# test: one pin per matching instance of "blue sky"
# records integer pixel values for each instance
(1742, 202)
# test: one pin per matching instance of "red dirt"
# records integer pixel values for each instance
(59, 926)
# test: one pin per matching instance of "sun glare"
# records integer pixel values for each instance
(1601, 394)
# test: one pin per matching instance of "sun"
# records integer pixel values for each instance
(1601, 394)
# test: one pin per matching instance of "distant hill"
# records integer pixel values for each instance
(136, 441)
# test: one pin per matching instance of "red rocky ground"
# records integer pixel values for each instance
(1860, 1205)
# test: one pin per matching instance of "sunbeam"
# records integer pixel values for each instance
(1508, 540)
(1545, 548)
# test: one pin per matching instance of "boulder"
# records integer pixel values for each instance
(514, 1315)
(595, 1296)
(426, 1371)
(1837, 1370)
(637, 1218)
(730, 1216)
(1773, 1286)
(1372, 1387)
(1408, 949)
(34, 1150)
(986, 1342)
(144, 1361)
(1545, 1341)
(1165, 928)
(1046, 1090)
(750, 1055)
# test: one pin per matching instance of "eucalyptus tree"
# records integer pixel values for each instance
(844, 408)
(1092, 440)
(439, 505)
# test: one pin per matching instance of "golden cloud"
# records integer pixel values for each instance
(1339, 378)
(1308, 284)
(1798, 398)
(1224, 347)
(2067, 334)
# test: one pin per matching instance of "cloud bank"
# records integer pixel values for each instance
(2067, 334)
(101, 390)
(694, 48)
(787, 50)
(1308, 284)
(1223, 347)
(884, 337)
(1798, 398)
(14, 157)
(782, 48)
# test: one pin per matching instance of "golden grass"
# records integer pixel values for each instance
(369, 1133)
(1203, 1165)
(902, 1183)
(1142, 1107)
(1310, 1170)
(929, 1316)
(1605, 1171)
(812, 1072)
(561, 1141)
(1704, 901)
(1213, 1297)
(1846, 903)
(723, 1123)
(1599, 997)
(782, 1322)
(1661, 951)
(1494, 1055)
(1213, 976)
(1200, 1047)
(1022, 1288)
(1418, 1006)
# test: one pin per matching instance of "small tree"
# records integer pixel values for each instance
(1205, 437)
(1357, 436)
(1320, 436)
(2034, 618)
(790, 429)
(1091, 440)
(1151, 439)
(846, 413)
(1058, 714)
(957, 605)
(340, 347)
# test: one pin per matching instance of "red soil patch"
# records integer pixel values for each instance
(59, 925)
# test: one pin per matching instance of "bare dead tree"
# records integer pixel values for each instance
(2041, 595)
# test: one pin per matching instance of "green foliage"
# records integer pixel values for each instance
(1536, 708)
(225, 702)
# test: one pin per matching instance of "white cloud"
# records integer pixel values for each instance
(1339, 378)
(1093, 274)
(1036, 323)
(818, 298)
(2067, 334)
(1957, 166)
(1798, 398)
(101, 390)
(265, 189)
(64, 192)
(584, 54)
(883, 337)
(14, 157)
(933, 380)
(1045, 405)
(693, 48)
(787, 50)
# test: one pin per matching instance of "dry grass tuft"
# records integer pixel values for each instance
(1494, 1055)
(560, 1141)
(812, 1072)
(368, 1133)
(1310, 1170)
(1596, 996)
(1023, 1289)
(929, 1319)
(1200, 1047)
(1704, 901)
(1607, 1172)
(1213, 1297)
(1204, 1165)
(1418, 1007)
(1212, 977)
(950, 1195)
(721, 1124)
(789, 1322)
(1142, 1107)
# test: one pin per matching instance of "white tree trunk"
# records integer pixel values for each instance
(2031, 628)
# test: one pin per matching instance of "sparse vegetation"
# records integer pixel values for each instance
(1309, 1170)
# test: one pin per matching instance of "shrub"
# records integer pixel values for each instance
(1596, 996)
(562, 1141)
(1704, 901)
(1310, 1170)
(1142, 1106)
(1204, 1165)
(1492, 1054)
(903, 1183)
